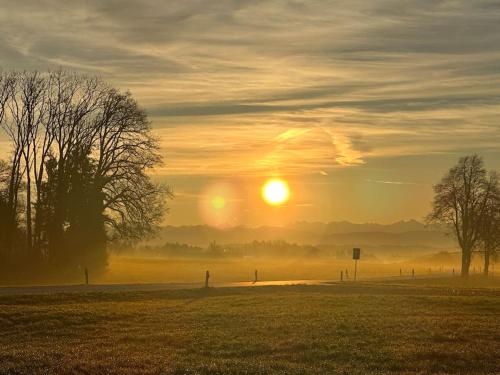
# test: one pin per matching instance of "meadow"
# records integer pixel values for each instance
(412, 327)
(141, 269)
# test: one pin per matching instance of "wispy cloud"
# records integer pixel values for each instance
(292, 86)
(393, 182)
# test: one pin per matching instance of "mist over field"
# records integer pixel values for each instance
(301, 251)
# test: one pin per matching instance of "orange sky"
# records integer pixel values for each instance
(360, 105)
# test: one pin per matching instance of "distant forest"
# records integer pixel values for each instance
(74, 177)
(215, 250)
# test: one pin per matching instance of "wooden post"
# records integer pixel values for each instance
(355, 268)
(413, 272)
(207, 276)
(86, 276)
(453, 271)
(256, 278)
(356, 255)
(400, 272)
(341, 275)
(346, 274)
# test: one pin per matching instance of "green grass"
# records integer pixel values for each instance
(346, 329)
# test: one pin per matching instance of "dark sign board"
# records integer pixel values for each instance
(356, 253)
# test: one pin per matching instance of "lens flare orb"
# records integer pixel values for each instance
(219, 204)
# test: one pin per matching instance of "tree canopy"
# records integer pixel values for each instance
(467, 200)
(77, 172)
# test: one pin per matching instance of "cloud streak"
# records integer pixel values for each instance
(283, 87)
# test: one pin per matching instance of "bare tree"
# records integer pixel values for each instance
(460, 202)
(81, 152)
(10, 124)
(43, 138)
(4, 209)
(5, 91)
(125, 150)
(29, 110)
(490, 225)
(75, 99)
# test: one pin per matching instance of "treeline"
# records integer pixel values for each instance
(215, 250)
(467, 200)
(74, 177)
(276, 248)
(170, 249)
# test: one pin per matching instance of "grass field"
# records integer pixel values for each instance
(152, 270)
(348, 329)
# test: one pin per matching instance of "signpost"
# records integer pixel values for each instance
(356, 254)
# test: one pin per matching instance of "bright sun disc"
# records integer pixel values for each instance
(275, 191)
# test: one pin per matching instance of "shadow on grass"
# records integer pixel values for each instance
(192, 295)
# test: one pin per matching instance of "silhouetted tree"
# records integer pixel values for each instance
(125, 149)
(4, 208)
(85, 234)
(28, 109)
(8, 122)
(77, 173)
(461, 201)
(490, 226)
(4, 174)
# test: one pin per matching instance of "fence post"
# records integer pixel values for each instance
(86, 276)
(207, 276)
(413, 273)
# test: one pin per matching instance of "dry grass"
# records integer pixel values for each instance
(154, 270)
(347, 329)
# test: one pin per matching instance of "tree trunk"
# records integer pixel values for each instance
(12, 204)
(29, 230)
(37, 230)
(466, 255)
(56, 247)
(486, 260)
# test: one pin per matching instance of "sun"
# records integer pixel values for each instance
(275, 191)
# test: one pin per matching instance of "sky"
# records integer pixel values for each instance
(361, 106)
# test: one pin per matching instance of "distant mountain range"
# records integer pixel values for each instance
(347, 227)
(402, 233)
